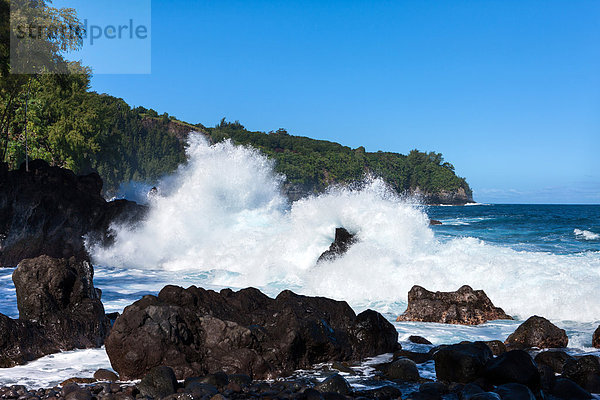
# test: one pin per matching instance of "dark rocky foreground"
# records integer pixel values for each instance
(49, 210)
(197, 331)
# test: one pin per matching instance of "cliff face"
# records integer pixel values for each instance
(48, 210)
(458, 197)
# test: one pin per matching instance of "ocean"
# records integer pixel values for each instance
(220, 221)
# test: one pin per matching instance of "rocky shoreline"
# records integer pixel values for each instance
(192, 343)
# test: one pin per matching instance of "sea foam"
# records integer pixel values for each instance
(586, 235)
(223, 213)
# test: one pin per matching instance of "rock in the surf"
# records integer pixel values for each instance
(59, 309)
(49, 210)
(463, 362)
(537, 332)
(465, 306)
(197, 331)
(596, 338)
(342, 242)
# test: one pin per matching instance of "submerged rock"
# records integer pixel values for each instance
(537, 332)
(342, 242)
(465, 306)
(59, 309)
(49, 210)
(197, 331)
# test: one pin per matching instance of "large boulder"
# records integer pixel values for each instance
(59, 309)
(197, 331)
(537, 332)
(49, 210)
(342, 242)
(463, 362)
(465, 306)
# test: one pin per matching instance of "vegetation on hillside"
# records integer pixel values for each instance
(318, 163)
(68, 125)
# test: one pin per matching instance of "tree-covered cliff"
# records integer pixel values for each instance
(63, 122)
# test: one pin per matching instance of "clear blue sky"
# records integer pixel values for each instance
(508, 91)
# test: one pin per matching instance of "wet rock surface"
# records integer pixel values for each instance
(197, 331)
(465, 306)
(59, 309)
(537, 332)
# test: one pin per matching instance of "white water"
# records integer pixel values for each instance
(222, 213)
(586, 235)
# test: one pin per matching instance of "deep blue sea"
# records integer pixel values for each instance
(221, 221)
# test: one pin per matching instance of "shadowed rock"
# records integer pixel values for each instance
(49, 210)
(59, 309)
(465, 306)
(197, 331)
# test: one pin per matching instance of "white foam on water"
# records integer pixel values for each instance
(223, 213)
(51, 370)
(586, 235)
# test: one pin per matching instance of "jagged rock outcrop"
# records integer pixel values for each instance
(342, 242)
(537, 332)
(197, 331)
(59, 309)
(48, 210)
(465, 306)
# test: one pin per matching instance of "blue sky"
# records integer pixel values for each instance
(508, 91)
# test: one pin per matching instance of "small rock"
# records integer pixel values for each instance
(434, 222)
(496, 346)
(554, 359)
(462, 362)
(384, 392)
(403, 370)
(240, 379)
(105, 375)
(537, 332)
(334, 384)
(596, 338)
(418, 340)
(158, 383)
(79, 394)
(515, 366)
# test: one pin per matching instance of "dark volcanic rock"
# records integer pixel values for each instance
(342, 242)
(418, 340)
(554, 359)
(48, 210)
(159, 382)
(402, 369)
(59, 309)
(596, 338)
(334, 384)
(585, 371)
(462, 362)
(515, 366)
(537, 332)
(197, 331)
(514, 391)
(465, 306)
(567, 389)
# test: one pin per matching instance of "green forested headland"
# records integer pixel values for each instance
(69, 125)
